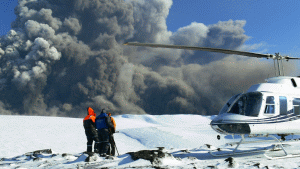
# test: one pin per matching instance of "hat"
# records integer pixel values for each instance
(103, 111)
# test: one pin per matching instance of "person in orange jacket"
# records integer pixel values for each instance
(90, 130)
(112, 150)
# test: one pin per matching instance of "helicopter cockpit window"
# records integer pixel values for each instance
(270, 105)
(296, 106)
(228, 104)
(247, 104)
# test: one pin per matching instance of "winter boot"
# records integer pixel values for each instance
(103, 155)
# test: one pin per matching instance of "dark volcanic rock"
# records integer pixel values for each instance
(208, 145)
(45, 151)
(39, 152)
(191, 158)
(66, 154)
(231, 161)
(151, 155)
(161, 148)
(92, 157)
(37, 159)
(256, 165)
(90, 153)
(185, 151)
(109, 157)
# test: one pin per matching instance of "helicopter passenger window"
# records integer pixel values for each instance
(296, 106)
(283, 105)
(270, 105)
(248, 104)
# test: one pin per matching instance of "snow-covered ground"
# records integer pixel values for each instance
(65, 137)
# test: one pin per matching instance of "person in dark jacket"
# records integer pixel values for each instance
(90, 130)
(103, 125)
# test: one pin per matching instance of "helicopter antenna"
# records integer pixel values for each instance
(275, 57)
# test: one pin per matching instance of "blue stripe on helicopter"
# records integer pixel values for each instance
(274, 119)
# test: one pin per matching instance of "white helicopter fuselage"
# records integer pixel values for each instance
(266, 108)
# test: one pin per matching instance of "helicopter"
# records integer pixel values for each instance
(264, 110)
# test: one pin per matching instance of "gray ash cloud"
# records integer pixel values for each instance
(62, 56)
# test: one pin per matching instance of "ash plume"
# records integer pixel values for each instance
(62, 56)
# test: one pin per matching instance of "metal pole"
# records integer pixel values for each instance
(243, 138)
(116, 148)
(116, 144)
(278, 64)
(282, 67)
(275, 68)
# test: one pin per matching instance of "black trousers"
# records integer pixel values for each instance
(92, 135)
(104, 145)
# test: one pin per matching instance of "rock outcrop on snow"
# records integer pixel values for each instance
(153, 156)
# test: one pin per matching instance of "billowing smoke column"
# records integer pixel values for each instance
(62, 56)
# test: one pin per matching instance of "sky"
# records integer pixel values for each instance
(271, 25)
(7, 14)
(64, 56)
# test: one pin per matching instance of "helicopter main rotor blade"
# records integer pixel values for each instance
(218, 50)
(288, 58)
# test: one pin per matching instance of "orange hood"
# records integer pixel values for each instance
(91, 115)
(91, 111)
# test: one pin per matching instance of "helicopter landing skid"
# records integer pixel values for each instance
(234, 152)
(280, 147)
(282, 157)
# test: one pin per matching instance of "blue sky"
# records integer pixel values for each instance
(6, 14)
(272, 24)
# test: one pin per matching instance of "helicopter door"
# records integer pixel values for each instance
(283, 105)
(283, 111)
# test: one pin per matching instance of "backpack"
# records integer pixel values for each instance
(101, 121)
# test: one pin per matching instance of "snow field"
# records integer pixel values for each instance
(22, 134)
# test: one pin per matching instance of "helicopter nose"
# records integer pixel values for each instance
(218, 129)
(233, 128)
